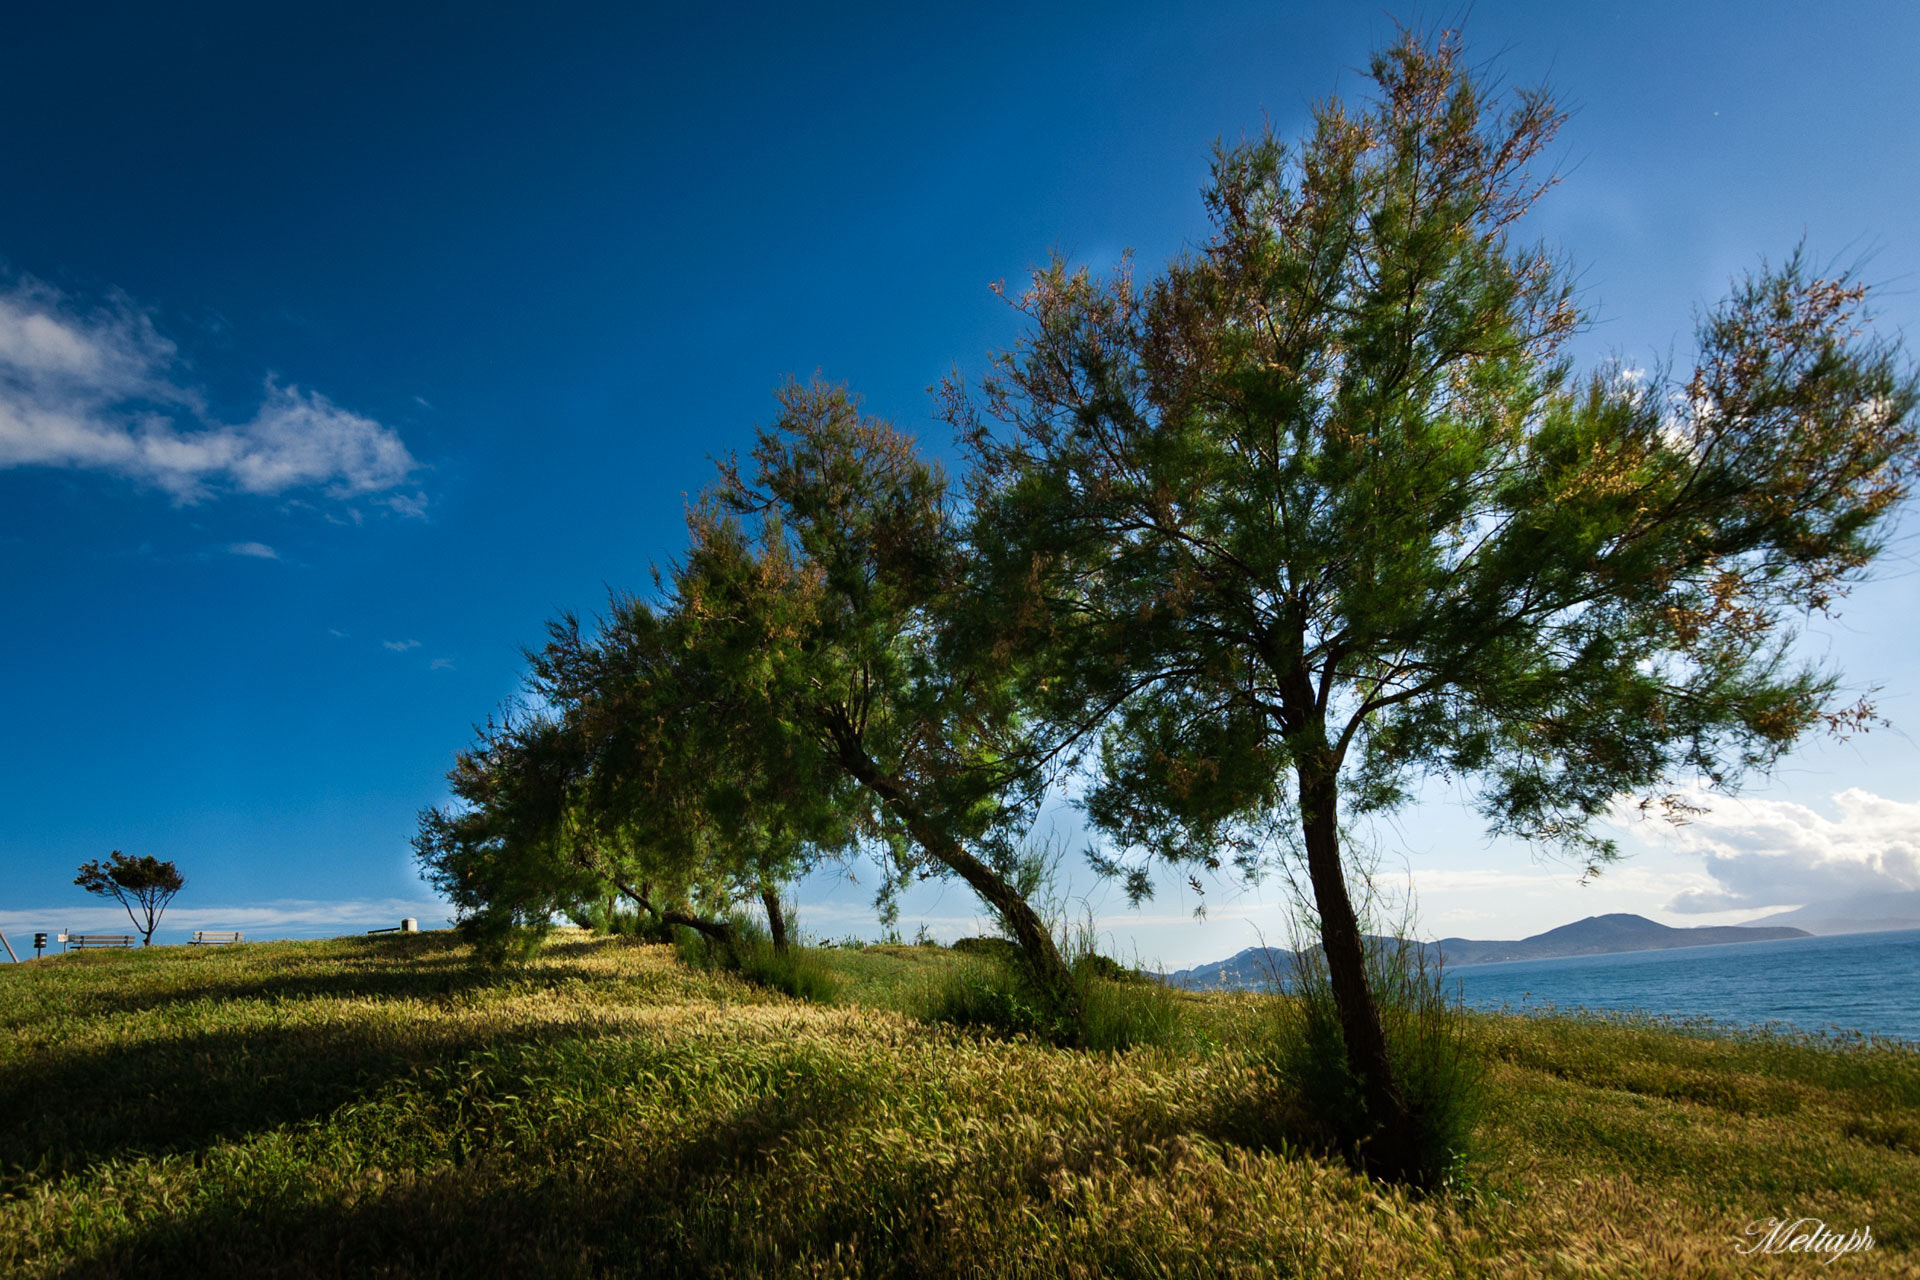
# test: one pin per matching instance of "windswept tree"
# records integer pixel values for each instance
(670, 797)
(612, 785)
(143, 886)
(1322, 510)
(821, 590)
(503, 853)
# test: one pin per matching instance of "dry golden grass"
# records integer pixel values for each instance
(387, 1107)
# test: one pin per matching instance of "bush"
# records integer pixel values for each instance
(751, 955)
(992, 991)
(1001, 949)
(631, 922)
(1437, 1072)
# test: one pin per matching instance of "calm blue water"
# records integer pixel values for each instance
(1864, 982)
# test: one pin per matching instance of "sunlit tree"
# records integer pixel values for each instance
(1322, 510)
(824, 587)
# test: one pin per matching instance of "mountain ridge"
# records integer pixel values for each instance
(1257, 968)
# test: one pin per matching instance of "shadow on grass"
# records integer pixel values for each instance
(69, 1111)
(688, 1204)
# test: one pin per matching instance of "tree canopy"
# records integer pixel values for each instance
(830, 583)
(1319, 511)
(1323, 509)
(143, 886)
(799, 691)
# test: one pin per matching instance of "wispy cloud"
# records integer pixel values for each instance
(1775, 853)
(440, 664)
(258, 550)
(413, 505)
(98, 389)
(399, 646)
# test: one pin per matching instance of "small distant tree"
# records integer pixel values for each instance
(143, 885)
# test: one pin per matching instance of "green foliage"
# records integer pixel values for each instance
(998, 949)
(1325, 498)
(841, 624)
(623, 785)
(1434, 1065)
(787, 701)
(1322, 509)
(989, 989)
(749, 953)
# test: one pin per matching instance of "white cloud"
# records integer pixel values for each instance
(98, 390)
(1775, 853)
(440, 664)
(259, 550)
(399, 646)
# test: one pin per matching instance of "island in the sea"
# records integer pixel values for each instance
(1257, 967)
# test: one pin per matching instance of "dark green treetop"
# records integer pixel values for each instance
(143, 886)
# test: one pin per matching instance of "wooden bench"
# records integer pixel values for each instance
(85, 940)
(215, 938)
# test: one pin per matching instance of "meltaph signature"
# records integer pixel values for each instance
(1804, 1235)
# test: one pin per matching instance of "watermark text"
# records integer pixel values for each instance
(1804, 1235)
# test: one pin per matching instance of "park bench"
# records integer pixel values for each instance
(84, 940)
(215, 938)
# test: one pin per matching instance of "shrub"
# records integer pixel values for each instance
(1112, 1007)
(1002, 949)
(751, 955)
(1436, 1070)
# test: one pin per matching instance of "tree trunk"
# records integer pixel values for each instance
(719, 931)
(1389, 1151)
(776, 919)
(1030, 933)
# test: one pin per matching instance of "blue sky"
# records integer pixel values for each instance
(341, 346)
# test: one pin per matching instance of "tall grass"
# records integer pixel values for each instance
(749, 952)
(1110, 1006)
(1434, 1065)
(391, 1107)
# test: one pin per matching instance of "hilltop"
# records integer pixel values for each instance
(391, 1107)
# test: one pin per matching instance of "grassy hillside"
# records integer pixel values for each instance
(387, 1107)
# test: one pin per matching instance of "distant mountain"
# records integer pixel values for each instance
(1603, 935)
(1862, 913)
(1253, 969)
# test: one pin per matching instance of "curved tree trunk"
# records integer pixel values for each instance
(776, 919)
(1030, 933)
(719, 931)
(1389, 1151)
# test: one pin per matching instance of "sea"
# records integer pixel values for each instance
(1856, 984)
